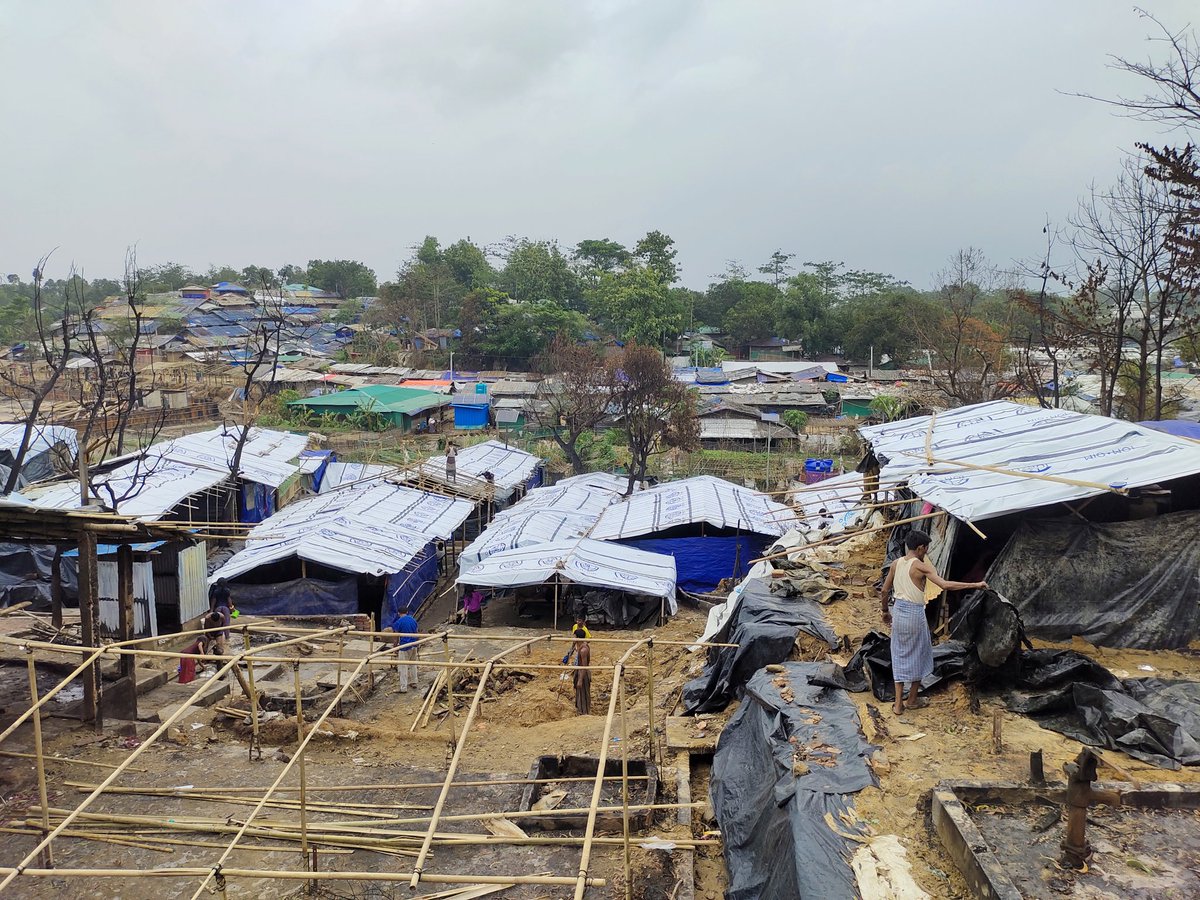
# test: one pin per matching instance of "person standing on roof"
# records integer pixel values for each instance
(912, 644)
(407, 628)
(451, 463)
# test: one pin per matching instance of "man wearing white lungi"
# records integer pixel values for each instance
(912, 644)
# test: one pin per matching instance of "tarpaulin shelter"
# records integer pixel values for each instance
(712, 527)
(153, 482)
(583, 561)
(340, 474)
(378, 529)
(514, 471)
(968, 444)
(569, 509)
(39, 462)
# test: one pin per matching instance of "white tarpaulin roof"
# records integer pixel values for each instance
(341, 473)
(378, 504)
(338, 543)
(42, 438)
(266, 457)
(703, 498)
(172, 471)
(155, 487)
(583, 561)
(511, 466)
(1028, 439)
(519, 529)
(568, 509)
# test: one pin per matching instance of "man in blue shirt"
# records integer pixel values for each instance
(406, 672)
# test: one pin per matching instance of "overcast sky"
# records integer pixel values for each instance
(880, 133)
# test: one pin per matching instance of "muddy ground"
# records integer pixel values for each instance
(529, 713)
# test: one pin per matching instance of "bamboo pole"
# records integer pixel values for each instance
(846, 535)
(650, 693)
(453, 767)
(201, 689)
(450, 690)
(590, 830)
(47, 857)
(63, 759)
(292, 875)
(255, 741)
(1000, 470)
(300, 754)
(625, 793)
(349, 788)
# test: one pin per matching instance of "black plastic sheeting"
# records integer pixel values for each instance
(1120, 584)
(764, 626)
(1152, 720)
(302, 597)
(777, 843)
(25, 574)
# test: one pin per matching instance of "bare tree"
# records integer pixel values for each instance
(973, 354)
(657, 412)
(576, 400)
(49, 348)
(261, 356)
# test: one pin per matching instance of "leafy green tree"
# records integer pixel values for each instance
(778, 266)
(217, 274)
(754, 313)
(290, 274)
(468, 265)
(884, 321)
(167, 277)
(599, 255)
(538, 270)
(795, 419)
(657, 251)
(519, 332)
(637, 306)
(806, 313)
(345, 277)
(349, 311)
(656, 412)
(258, 277)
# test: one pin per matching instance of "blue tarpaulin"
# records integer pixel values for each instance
(1177, 427)
(701, 562)
(407, 590)
(257, 501)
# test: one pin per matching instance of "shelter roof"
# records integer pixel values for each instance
(1097, 452)
(511, 466)
(581, 561)
(376, 398)
(703, 498)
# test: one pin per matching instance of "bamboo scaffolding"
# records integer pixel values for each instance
(201, 689)
(453, 767)
(590, 829)
(1014, 473)
(64, 759)
(625, 794)
(217, 867)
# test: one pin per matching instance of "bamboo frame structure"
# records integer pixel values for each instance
(381, 828)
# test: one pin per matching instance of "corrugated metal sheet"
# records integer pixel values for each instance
(193, 582)
(145, 615)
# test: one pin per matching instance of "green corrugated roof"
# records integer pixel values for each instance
(376, 398)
